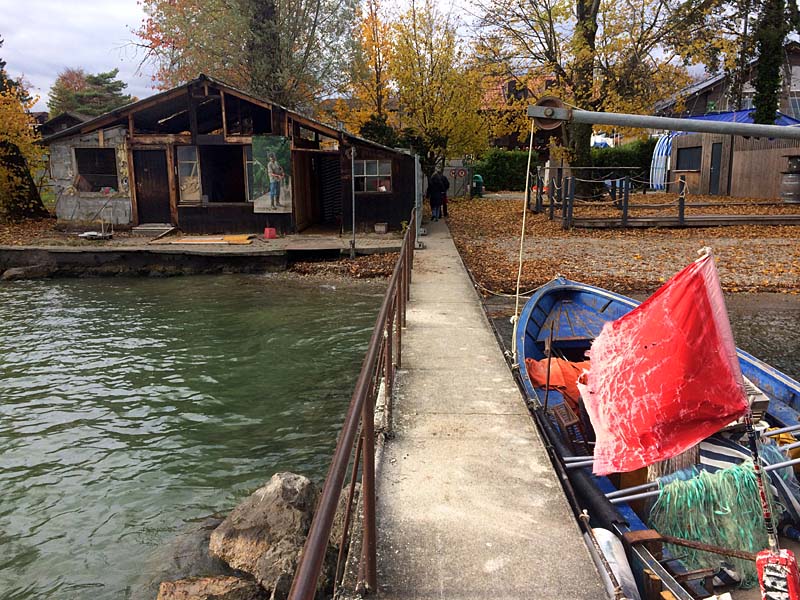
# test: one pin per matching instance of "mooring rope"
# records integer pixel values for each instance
(521, 250)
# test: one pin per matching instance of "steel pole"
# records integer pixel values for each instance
(552, 113)
(353, 194)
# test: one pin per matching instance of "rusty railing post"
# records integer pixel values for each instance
(359, 426)
(370, 543)
(681, 200)
(399, 298)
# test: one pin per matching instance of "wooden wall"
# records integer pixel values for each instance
(757, 166)
(755, 171)
(392, 208)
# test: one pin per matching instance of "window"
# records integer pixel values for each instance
(689, 158)
(795, 107)
(189, 175)
(373, 175)
(97, 169)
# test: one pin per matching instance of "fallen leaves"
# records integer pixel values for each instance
(362, 267)
(750, 257)
(26, 232)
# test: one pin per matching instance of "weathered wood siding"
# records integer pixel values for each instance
(754, 172)
(757, 166)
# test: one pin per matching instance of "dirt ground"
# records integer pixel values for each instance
(750, 258)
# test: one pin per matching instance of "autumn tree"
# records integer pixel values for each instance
(19, 152)
(90, 94)
(594, 54)
(289, 51)
(439, 97)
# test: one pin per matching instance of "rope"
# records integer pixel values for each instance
(521, 247)
(526, 294)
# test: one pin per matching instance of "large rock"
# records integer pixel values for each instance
(185, 555)
(264, 535)
(211, 588)
(29, 272)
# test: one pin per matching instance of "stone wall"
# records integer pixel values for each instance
(74, 205)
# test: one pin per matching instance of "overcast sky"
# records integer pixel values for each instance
(42, 37)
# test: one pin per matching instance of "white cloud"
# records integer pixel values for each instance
(42, 37)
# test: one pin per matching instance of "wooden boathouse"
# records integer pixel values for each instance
(207, 158)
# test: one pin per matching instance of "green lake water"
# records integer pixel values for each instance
(130, 406)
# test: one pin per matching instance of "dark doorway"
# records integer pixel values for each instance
(331, 188)
(716, 161)
(152, 186)
(222, 170)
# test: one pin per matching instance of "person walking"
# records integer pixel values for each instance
(437, 187)
(446, 182)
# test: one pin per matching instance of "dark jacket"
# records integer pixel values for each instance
(437, 188)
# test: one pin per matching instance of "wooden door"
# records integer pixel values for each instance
(716, 167)
(152, 185)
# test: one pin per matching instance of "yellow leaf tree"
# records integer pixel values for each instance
(364, 105)
(439, 98)
(20, 155)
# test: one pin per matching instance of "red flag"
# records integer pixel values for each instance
(664, 376)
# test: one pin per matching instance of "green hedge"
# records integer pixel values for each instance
(636, 154)
(504, 169)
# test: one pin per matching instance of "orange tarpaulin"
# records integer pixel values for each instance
(563, 376)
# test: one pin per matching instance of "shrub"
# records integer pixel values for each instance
(504, 169)
(636, 154)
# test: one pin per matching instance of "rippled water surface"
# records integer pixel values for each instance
(130, 406)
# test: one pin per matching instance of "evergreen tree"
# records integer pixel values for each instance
(770, 34)
(378, 130)
(89, 94)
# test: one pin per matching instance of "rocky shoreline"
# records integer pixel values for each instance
(251, 554)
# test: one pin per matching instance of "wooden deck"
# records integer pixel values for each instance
(688, 221)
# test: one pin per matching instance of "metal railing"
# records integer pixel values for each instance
(383, 356)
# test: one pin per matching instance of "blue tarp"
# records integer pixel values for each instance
(659, 165)
(744, 116)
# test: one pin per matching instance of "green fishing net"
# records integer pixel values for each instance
(722, 509)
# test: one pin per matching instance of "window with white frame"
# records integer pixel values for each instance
(373, 175)
(189, 175)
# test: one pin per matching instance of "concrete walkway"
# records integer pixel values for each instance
(468, 504)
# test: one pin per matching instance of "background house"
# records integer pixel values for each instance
(715, 94)
(197, 157)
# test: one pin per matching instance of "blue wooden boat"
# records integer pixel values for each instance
(566, 316)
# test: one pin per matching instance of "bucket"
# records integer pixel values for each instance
(270, 233)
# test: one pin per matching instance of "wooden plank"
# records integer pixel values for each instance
(161, 139)
(690, 221)
(239, 139)
(224, 120)
(132, 187)
(192, 107)
(173, 186)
